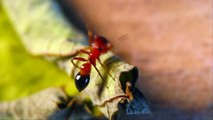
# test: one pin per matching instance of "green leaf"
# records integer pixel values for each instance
(21, 73)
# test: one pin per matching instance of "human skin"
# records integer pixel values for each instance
(170, 41)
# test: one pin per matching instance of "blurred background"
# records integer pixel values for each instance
(22, 73)
(169, 41)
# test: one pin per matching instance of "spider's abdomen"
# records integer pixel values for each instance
(81, 81)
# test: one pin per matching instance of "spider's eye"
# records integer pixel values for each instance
(81, 82)
(100, 49)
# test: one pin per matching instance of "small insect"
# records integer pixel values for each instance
(98, 45)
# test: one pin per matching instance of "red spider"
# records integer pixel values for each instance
(98, 46)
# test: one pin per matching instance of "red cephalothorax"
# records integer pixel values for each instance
(101, 43)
